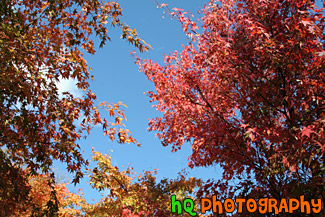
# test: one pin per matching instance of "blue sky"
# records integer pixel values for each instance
(117, 78)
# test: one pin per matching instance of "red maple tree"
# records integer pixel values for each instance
(247, 93)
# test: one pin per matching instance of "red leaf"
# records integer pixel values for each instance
(306, 131)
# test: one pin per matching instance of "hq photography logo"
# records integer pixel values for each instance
(262, 206)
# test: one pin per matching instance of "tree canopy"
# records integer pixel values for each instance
(41, 44)
(247, 93)
(129, 193)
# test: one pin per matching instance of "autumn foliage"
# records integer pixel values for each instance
(135, 194)
(247, 93)
(41, 44)
(125, 193)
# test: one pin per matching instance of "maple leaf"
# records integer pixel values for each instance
(306, 131)
(177, 9)
(163, 5)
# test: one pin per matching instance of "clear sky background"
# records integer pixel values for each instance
(117, 78)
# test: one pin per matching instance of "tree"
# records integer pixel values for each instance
(132, 194)
(41, 43)
(247, 92)
(42, 194)
(129, 193)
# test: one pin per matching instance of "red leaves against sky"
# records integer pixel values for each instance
(247, 92)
